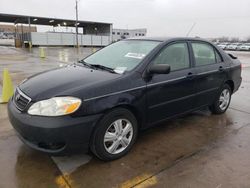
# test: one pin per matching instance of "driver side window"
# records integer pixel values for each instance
(176, 55)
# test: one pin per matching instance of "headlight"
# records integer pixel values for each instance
(57, 106)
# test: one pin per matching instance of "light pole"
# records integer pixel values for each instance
(95, 30)
(76, 25)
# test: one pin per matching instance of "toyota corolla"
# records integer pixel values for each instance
(101, 102)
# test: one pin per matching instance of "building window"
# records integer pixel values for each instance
(136, 34)
(118, 33)
(113, 33)
(139, 34)
(142, 34)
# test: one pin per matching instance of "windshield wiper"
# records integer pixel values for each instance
(97, 66)
(85, 64)
(103, 67)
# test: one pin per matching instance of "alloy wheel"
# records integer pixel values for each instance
(118, 136)
(224, 99)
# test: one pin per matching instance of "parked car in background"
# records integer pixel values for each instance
(239, 46)
(3, 36)
(245, 47)
(216, 43)
(101, 102)
(233, 46)
(223, 45)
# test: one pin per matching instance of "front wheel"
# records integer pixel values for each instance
(222, 101)
(114, 135)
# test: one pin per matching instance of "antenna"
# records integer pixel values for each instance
(191, 29)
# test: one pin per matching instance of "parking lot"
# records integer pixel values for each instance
(234, 46)
(198, 150)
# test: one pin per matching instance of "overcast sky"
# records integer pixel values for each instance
(213, 18)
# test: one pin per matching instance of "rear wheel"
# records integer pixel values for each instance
(222, 101)
(114, 135)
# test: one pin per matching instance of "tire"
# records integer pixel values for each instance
(120, 128)
(224, 96)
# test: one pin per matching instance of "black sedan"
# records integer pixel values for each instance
(101, 102)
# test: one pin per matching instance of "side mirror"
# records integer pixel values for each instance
(159, 69)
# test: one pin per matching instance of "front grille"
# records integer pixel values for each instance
(21, 100)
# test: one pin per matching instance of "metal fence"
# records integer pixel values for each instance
(67, 39)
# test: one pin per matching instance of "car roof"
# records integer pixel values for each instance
(165, 39)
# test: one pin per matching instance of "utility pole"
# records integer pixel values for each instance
(76, 23)
(29, 29)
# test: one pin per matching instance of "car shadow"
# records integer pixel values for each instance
(157, 148)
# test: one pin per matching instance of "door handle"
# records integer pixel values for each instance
(190, 75)
(221, 69)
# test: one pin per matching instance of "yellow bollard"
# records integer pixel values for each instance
(93, 50)
(42, 52)
(30, 45)
(8, 89)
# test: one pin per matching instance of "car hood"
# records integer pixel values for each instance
(62, 81)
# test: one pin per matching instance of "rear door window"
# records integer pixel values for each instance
(204, 54)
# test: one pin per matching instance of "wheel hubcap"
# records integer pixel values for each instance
(224, 99)
(118, 136)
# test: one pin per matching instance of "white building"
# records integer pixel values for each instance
(119, 34)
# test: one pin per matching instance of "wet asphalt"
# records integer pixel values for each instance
(197, 150)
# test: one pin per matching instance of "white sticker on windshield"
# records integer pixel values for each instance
(135, 55)
(120, 70)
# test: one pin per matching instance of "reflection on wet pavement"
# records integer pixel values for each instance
(23, 63)
(22, 167)
(197, 150)
(224, 164)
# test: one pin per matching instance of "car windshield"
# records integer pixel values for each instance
(121, 56)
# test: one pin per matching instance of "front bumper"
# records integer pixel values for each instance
(53, 135)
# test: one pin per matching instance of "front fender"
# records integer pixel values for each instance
(136, 99)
